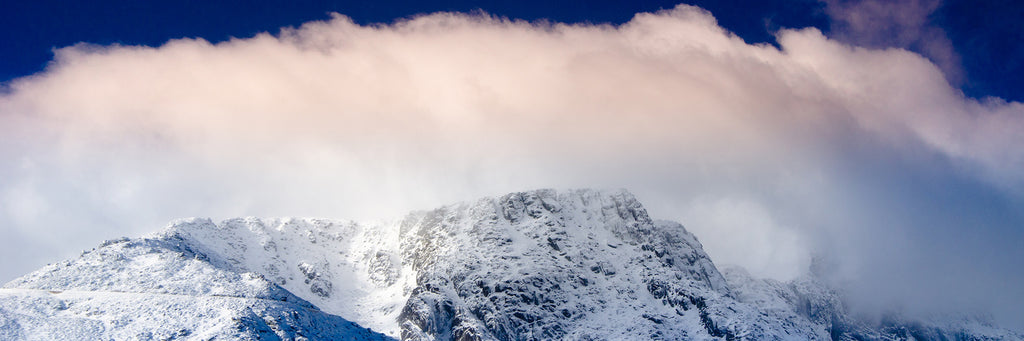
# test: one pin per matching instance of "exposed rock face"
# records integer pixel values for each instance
(525, 266)
(549, 265)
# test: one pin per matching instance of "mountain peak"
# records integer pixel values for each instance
(608, 204)
(541, 264)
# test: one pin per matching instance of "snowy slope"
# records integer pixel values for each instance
(158, 289)
(544, 264)
(102, 315)
(344, 268)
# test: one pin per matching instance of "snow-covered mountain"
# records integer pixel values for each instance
(580, 265)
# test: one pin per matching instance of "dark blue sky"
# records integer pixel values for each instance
(986, 34)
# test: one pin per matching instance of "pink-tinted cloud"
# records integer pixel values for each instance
(768, 155)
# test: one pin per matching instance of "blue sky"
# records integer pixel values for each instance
(985, 34)
(881, 136)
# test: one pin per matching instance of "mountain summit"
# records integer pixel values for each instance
(537, 265)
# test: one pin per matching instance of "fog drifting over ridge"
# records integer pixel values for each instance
(868, 157)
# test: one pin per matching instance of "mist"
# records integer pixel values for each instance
(770, 155)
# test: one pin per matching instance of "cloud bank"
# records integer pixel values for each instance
(866, 157)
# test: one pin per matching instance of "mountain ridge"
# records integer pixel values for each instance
(543, 264)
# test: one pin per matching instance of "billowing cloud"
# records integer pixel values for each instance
(866, 157)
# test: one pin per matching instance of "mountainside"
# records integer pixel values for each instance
(584, 265)
(159, 289)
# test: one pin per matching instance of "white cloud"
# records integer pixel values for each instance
(741, 231)
(819, 146)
